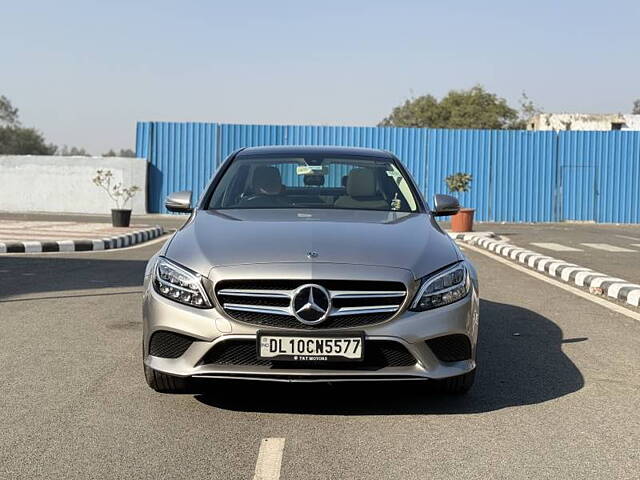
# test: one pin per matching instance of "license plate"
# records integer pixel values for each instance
(311, 348)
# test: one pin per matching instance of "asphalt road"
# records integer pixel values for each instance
(557, 393)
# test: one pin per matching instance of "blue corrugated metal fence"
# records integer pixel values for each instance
(518, 176)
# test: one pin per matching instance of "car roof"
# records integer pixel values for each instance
(303, 150)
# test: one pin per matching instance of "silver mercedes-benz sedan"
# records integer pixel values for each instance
(310, 264)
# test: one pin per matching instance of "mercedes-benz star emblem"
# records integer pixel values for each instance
(311, 304)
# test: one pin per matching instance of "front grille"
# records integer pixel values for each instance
(268, 303)
(451, 348)
(377, 354)
(168, 344)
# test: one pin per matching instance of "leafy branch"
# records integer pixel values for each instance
(459, 182)
(119, 194)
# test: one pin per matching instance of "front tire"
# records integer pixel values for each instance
(457, 385)
(164, 383)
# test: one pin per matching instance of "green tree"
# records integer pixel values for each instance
(127, 152)
(528, 110)
(424, 111)
(73, 152)
(8, 113)
(124, 152)
(472, 108)
(17, 140)
(23, 141)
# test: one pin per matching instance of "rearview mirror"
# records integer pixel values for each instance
(179, 202)
(445, 205)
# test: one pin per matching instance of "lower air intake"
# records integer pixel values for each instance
(451, 348)
(168, 344)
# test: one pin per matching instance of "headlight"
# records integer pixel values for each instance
(443, 288)
(177, 283)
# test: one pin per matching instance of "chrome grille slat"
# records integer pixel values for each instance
(234, 292)
(238, 307)
(358, 294)
(363, 310)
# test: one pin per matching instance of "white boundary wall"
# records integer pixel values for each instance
(34, 183)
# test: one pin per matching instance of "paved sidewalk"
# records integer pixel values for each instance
(168, 221)
(20, 236)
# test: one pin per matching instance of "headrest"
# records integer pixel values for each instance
(267, 181)
(361, 183)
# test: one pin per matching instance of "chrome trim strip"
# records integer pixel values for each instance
(235, 292)
(401, 377)
(359, 294)
(258, 309)
(362, 310)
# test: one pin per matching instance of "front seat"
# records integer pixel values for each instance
(266, 185)
(361, 192)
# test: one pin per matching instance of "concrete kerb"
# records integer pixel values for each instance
(598, 283)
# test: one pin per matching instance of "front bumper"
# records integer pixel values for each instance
(208, 328)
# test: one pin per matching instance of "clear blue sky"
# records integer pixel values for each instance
(84, 72)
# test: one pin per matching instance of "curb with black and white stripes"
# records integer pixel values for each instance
(107, 243)
(614, 287)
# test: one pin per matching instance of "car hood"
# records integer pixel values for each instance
(410, 241)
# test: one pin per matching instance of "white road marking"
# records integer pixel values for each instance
(557, 283)
(558, 247)
(608, 248)
(269, 459)
(628, 238)
(635, 244)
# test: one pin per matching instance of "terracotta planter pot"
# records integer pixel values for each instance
(120, 217)
(463, 220)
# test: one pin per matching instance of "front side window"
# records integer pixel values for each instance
(355, 183)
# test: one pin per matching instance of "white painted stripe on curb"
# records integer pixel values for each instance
(269, 459)
(535, 258)
(98, 244)
(32, 247)
(582, 276)
(608, 248)
(566, 273)
(558, 247)
(614, 289)
(545, 262)
(3, 248)
(553, 268)
(66, 245)
(633, 298)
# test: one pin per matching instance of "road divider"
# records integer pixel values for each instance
(597, 283)
(107, 243)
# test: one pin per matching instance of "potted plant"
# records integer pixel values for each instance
(120, 217)
(463, 220)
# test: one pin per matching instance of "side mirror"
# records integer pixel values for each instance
(445, 205)
(179, 202)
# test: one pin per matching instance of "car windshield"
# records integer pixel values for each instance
(355, 183)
